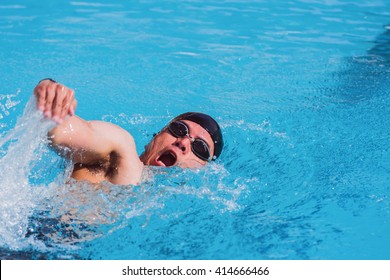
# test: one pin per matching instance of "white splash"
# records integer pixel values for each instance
(20, 147)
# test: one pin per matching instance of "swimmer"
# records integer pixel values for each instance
(102, 151)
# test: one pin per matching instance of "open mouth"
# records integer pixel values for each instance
(167, 159)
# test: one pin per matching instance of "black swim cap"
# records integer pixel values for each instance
(209, 124)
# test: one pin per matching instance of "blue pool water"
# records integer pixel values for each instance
(301, 90)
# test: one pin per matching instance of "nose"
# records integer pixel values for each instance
(184, 143)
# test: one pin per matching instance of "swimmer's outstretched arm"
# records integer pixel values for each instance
(89, 143)
(99, 143)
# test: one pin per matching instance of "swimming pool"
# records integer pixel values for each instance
(300, 90)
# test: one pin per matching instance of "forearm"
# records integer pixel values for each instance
(76, 139)
(63, 135)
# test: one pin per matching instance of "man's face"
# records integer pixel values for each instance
(168, 150)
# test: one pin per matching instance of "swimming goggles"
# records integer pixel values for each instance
(198, 146)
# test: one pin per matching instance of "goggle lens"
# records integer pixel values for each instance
(198, 146)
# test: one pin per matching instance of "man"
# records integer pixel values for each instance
(103, 151)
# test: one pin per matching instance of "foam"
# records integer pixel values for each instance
(21, 147)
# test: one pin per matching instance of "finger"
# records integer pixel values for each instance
(60, 96)
(50, 94)
(72, 103)
(64, 112)
(73, 107)
(40, 94)
(66, 104)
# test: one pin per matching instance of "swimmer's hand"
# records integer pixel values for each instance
(55, 100)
